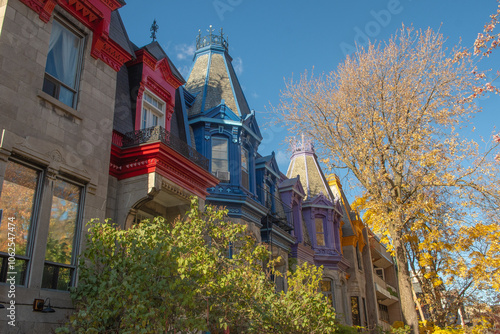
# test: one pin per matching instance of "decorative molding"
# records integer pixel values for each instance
(94, 14)
(158, 89)
(51, 173)
(175, 190)
(114, 55)
(46, 10)
(56, 156)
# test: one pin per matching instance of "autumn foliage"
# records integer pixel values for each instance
(178, 277)
(391, 115)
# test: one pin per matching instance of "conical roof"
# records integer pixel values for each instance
(304, 162)
(213, 79)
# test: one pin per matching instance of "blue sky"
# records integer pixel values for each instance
(271, 41)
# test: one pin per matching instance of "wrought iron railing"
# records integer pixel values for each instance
(158, 133)
(280, 212)
(211, 39)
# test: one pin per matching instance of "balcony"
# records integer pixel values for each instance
(160, 134)
(386, 293)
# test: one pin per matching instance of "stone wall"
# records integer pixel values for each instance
(61, 141)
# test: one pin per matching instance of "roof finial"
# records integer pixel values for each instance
(211, 39)
(154, 29)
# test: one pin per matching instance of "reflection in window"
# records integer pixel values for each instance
(320, 232)
(244, 169)
(61, 237)
(219, 155)
(17, 202)
(61, 69)
(356, 316)
(327, 290)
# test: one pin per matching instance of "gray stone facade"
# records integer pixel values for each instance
(60, 141)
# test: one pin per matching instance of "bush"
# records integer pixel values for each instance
(161, 276)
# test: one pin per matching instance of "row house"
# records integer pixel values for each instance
(88, 129)
(94, 126)
(371, 278)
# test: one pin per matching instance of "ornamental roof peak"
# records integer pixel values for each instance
(212, 39)
(305, 145)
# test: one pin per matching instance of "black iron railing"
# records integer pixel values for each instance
(280, 213)
(211, 39)
(158, 133)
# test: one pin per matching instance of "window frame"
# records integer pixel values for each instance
(355, 311)
(245, 173)
(149, 111)
(322, 233)
(212, 154)
(73, 266)
(35, 211)
(331, 292)
(48, 78)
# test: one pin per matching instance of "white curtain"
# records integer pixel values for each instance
(63, 54)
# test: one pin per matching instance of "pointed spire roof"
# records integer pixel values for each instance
(304, 162)
(213, 79)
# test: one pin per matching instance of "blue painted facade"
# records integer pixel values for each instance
(279, 210)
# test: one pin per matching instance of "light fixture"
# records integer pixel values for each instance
(40, 305)
(48, 308)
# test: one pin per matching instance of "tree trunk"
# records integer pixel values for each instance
(405, 290)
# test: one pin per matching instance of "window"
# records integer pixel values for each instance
(383, 310)
(380, 273)
(327, 290)
(320, 232)
(220, 164)
(153, 110)
(63, 64)
(356, 316)
(21, 195)
(245, 182)
(365, 313)
(18, 202)
(358, 256)
(60, 253)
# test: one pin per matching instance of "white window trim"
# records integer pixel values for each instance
(152, 110)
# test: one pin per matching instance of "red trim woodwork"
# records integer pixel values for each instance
(161, 159)
(157, 77)
(94, 14)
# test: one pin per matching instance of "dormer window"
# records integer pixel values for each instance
(320, 231)
(153, 110)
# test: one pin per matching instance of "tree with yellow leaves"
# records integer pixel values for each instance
(390, 114)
